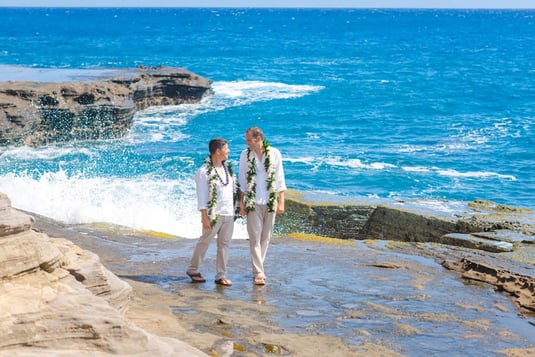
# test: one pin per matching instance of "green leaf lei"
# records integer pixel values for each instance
(212, 189)
(270, 180)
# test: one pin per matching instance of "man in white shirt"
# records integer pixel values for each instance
(216, 185)
(262, 187)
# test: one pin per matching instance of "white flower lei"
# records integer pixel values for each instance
(251, 175)
(212, 188)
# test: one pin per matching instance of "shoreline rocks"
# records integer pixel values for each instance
(479, 225)
(58, 299)
(311, 309)
(493, 243)
(103, 107)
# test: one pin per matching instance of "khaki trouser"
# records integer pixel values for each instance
(260, 228)
(223, 229)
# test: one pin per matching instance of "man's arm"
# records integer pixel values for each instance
(241, 196)
(205, 220)
(242, 178)
(280, 202)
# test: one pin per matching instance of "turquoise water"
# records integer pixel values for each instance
(386, 104)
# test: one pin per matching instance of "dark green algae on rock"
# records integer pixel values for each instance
(407, 221)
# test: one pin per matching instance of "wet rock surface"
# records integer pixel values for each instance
(418, 221)
(322, 297)
(481, 226)
(123, 292)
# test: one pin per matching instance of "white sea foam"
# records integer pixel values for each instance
(475, 174)
(43, 153)
(451, 146)
(305, 160)
(415, 169)
(357, 163)
(494, 129)
(164, 123)
(445, 207)
(337, 161)
(253, 91)
(412, 148)
(140, 203)
(380, 165)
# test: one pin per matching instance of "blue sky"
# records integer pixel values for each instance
(518, 4)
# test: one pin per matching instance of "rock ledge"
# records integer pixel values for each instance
(36, 113)
(59, 300)
(486, 241)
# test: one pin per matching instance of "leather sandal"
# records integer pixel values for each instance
(223, 281)
(196, 277)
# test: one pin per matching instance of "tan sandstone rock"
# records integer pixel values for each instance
(59, 300)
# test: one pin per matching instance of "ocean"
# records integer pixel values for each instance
(429, 106)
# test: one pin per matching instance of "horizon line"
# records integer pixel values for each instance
(264, 7)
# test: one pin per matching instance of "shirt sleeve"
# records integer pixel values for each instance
(279, 171)
(201, 185)
(242, 174)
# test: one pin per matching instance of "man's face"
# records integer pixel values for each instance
(223, 152)
(252, 143)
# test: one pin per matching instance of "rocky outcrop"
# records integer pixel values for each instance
(480, 222)
(497, 242)
(520, 286)
(36, 113)
(57, 299)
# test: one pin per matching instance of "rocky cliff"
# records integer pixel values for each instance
(59, 300)
(36, 113)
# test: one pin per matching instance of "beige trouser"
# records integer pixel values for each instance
(223, 229)
(260, 228)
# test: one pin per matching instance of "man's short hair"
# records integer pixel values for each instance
(256, 132)
(215, 144)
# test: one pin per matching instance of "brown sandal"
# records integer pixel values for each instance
(196, 277)
(223, 281)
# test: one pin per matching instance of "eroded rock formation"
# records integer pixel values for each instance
(57, 299)
(36, 113)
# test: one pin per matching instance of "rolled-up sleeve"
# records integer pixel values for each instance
(201, 185)
(242, 174)
(279, 171)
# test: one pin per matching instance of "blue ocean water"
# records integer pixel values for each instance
(426, 105)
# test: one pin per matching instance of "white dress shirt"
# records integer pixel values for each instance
(261, 194)
(225, 193)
